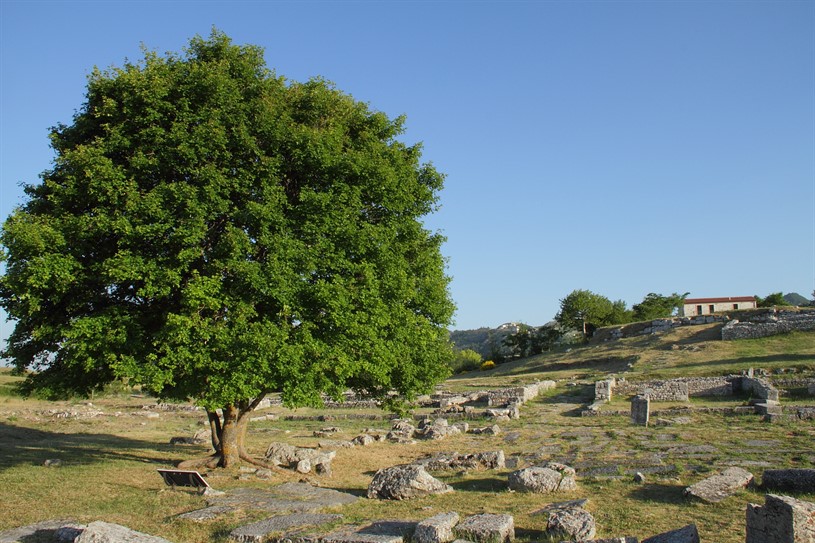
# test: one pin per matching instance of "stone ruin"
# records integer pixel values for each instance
(499, 404)
(764, 396)
(640, 409)
(749, 324)
(781, 519)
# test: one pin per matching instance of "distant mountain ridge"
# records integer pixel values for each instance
(793, 298)
(487, 342)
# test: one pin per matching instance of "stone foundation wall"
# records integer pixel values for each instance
(678, 389)
(653, 327)
(742, 325)
(769, 323)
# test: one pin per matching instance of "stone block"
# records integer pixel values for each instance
(105, 532)
(640, 409)
(551, 478)
(782, 519)
(723, 485)
(262, 531)
(687, 534)
(789, 480)
(486, 528)
(41, 531)
(768, 407)
(383, 531)
(436, 529)
(574, 522)
(405, 482)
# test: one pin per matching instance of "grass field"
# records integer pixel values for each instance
(110, 448)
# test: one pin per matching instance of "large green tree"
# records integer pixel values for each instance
(657, 306)
(773, 299)
(213, 232)
(584, 310)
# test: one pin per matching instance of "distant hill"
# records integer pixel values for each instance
(485, 341)
(793, 298)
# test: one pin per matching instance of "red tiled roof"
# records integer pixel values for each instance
(690, 301)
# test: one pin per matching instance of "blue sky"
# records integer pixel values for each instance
(620, 147)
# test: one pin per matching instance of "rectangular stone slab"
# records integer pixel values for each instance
(262, 531)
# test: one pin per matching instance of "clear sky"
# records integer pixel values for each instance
(619, 147)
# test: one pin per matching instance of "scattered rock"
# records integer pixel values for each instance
(639, 477)
(456, 461)
(41, 531)
(264, 474)
(688, 534)
(551, 478)
(436, 529)
(335, 444)
(300, 458)
(487, 528)
(573, 522)
(405, 482)
(363, 440)
(260, 532)
(491, 430)
(386, 531)
(438, 429)
(285, 498)
(52, 463)
(562, 505)
(401, 432)
(718, 487)
(105, 532)
(207, 513)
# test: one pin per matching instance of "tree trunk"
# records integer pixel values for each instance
(228, 438)
(233, 433)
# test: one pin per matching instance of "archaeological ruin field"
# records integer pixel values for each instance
(94, 459)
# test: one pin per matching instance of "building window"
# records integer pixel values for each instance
(698, 309)
(735, 306)
(712, 308)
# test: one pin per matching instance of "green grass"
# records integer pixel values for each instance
(109, 462)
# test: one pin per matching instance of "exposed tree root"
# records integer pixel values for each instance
(211, 462)
(257, 462)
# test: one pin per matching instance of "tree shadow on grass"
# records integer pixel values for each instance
(27, 446)
(490, 484)
(659, 493)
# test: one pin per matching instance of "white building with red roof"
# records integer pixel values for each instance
(708, 306)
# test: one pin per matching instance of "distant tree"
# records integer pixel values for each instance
(774, 299)
(544, 338)
(620, 314)
(584, 310)
(656, 306)
(465, 360)
(215, 233)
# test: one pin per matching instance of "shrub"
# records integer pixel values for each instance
(488, 365)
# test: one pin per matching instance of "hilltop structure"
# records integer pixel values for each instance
(709, 306)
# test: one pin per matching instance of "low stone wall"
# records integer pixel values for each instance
(655, 326)
(740, 324)
(769, 323)
(678, 389)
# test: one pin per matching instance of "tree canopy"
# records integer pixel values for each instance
(771, 300)
(214, 232)
(657, 306)
(584, 310)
